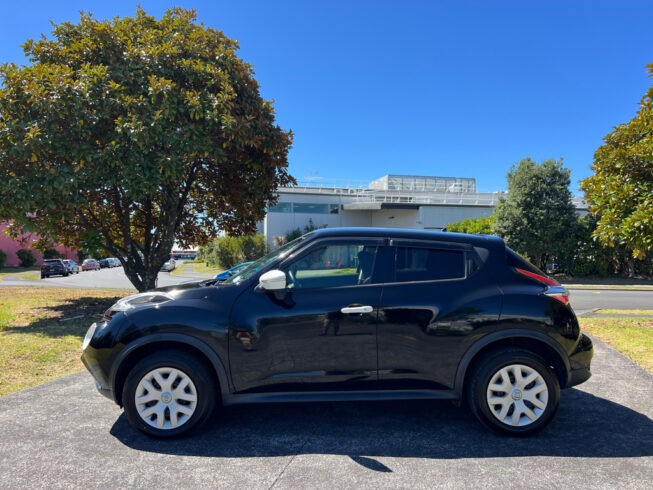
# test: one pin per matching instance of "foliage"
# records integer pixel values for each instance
(3, 259)
(51, 253)
(585, 256)
(297, 232)
(621, 190)
(26, 257)
(228, 251)
(478, 226)
(536, 217)
(137, 133)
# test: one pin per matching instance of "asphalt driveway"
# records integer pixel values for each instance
(63, 434)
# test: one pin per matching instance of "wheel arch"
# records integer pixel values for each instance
(145, 346)
(536, 342)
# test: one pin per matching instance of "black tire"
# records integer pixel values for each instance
(43, 276)
(199, 373)
(65, 274)
(487, 368)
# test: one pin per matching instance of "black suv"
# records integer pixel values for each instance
(348, 314)
(54, 267)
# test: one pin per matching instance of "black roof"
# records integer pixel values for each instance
(441, 236)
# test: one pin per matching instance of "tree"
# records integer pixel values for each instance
(26, 257)
(620, 192)
(537, 216)
(482, 225)
(135, 133)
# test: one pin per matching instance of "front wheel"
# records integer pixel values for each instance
(513, 392)
(169, 394)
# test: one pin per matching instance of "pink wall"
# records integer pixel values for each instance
(10, 247)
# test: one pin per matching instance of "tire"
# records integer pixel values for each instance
(43, 276)
(518, 409)
(199, 384)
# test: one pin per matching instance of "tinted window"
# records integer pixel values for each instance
(282, 207)
(52, 261)
(513, 259)
(427, 264)
(333, 266)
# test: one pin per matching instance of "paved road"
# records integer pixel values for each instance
(114, 278)
(586, 300)
(63, 434)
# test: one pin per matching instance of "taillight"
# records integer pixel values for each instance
(537, 277)
(562, 297)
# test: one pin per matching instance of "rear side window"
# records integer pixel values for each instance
(428, 264)
(52, 261)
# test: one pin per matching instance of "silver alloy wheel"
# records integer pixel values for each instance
(517, 395)
(166, 398)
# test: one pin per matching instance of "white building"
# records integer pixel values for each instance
(393, 201)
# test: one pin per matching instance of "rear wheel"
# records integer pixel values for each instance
(169, 394)
(513, 392)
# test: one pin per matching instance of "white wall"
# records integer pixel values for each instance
(441, 216)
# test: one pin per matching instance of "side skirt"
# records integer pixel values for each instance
(337, 396)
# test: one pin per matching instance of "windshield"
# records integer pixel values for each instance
(261, 263)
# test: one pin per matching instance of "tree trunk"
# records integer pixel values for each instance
(631, 266)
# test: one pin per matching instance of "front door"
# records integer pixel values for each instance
(320, 332)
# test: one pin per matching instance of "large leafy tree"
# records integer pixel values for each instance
(133, 133)
(620, 192)
(537, 216)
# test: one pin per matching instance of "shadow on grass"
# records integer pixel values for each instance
(585, 426)
(70, 317)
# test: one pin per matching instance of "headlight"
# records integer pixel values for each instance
(141, 299)
(89, 336)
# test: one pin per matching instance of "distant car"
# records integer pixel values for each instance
(234, 271)
(105, 264)
(54, 267)
(90, 265)
(114, 262)
(169, 266)
(72, 266)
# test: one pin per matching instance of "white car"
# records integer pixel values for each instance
(169, 266)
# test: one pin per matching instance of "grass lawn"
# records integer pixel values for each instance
(30, 277)
(626, 312)
(10, 271)
(179, 269)
(632, 337)
(35, 345)
(201, 267)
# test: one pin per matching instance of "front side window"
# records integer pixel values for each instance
(428, 264)
(333, 266)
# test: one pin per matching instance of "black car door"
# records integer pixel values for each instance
(317, 334)
(439, 301)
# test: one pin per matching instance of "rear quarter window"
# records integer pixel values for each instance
(513, 259)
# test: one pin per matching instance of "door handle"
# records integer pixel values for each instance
(356, 309)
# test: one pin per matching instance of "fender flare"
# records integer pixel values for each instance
(189, 340)
(509, 333)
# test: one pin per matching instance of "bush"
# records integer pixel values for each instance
(477, 226)
(26, 257)
(229, 251)
(3, 259)
(297, 232)
(52, 253)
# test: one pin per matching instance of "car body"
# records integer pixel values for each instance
(223, 276)
(90, 265)
(115, 262)
(54, 267)
(105, 263)
(169, 266)
(72, 266)
(348, 314)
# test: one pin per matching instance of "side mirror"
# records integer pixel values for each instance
(273, 280)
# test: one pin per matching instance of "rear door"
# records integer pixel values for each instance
(438, 301)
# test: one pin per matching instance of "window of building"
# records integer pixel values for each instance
(334, 208)
(281, 207)
(426, 264)
(305, 207)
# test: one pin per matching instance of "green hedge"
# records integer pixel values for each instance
(228, 251)
(3, 259)
(26, 257)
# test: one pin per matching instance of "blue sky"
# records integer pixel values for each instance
(431, 88)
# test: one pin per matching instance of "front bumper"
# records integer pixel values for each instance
(101, 384)
(579, 362)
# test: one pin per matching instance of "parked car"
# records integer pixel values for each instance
(348, 314)
(105, 263)
(90, 265)
(54, 267)
(114, 262)
(223, 276)
(169, 266)
(72, 266)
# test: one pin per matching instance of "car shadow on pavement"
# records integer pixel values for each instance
(585, 426)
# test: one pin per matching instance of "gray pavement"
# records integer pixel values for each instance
(63, 434)
(586, 300)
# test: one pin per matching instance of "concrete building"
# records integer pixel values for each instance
(393, 201)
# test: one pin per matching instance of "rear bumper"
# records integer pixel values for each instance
(579, 362)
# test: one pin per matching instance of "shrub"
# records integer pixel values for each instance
(3, 259)
(230, 251)
(26, 257)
